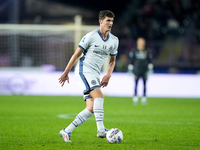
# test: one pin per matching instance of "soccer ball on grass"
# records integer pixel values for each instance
(114, 135)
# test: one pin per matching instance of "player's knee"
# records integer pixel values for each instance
(90, 103)
(100, 96)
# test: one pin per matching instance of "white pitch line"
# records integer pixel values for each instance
(64, 116)
(72, 116)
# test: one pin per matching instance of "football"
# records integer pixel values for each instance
(114, 135)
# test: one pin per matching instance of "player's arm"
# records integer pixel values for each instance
(70, 64)
(150, 64)
(106, 78)
(131, 64)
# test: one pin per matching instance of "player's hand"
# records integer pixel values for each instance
(63, 78)
(104, 81)
(150, 69)
(130, 69)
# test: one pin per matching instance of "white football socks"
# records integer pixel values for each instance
(99, 113)
(80, 119)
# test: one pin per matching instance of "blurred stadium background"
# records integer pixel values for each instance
(37, 38)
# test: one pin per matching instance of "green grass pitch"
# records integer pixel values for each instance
(33, 122)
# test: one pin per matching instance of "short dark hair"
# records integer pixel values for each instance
(106, 13)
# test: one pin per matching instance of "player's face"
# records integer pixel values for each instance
(107, 23)
(141, 42)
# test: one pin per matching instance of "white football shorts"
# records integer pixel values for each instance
(87, 82)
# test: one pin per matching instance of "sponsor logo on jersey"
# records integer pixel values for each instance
(100, 53)
(110, 48)
(83, 40)
(96, 45)
(141, 55)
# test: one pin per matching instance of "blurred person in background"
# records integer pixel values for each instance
(94, 47)
(141, 65)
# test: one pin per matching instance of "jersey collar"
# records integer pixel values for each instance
(102, 36)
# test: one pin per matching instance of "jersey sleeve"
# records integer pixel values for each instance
(114, 51)
(85, 42)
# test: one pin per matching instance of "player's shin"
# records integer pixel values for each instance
(80, 119)
(99, 113)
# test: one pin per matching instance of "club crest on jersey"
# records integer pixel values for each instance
(110, 49)
(93, 82)
(104, 46)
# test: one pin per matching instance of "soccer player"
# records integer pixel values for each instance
(141, 64)
(94, 47)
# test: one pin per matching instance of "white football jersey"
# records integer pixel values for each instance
(95, 51)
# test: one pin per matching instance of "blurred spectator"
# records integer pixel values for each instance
(39, 20)
(172, 25)
(158, 20)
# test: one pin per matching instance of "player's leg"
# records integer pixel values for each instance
(89, 82)
(144, 89)
(135, 98)
(82, 116)
(98, 97)
(144, 98)
(80, 119)
(136, 84)
(90, 104)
